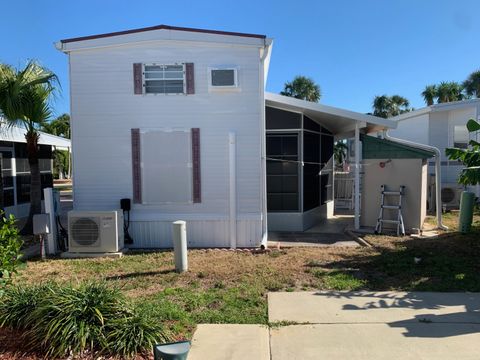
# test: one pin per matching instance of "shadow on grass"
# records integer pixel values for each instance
(448, 262)
(139, 274)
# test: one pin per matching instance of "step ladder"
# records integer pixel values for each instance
(399, 221)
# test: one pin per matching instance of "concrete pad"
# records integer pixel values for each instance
(373, 307)
(230, 341)
(304, 239)
(376, 341)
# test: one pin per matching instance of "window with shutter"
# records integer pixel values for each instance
(160, 178)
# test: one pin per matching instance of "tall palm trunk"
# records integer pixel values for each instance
(35, 180)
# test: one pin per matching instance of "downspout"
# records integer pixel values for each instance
(438, 173)
(263, 167)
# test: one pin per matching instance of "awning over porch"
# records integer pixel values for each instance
(340, 122)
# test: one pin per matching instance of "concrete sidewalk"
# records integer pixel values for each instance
(230, 341)
(383, 325)
(352, 325)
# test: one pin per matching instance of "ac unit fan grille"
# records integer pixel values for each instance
(448, 195)
(85, 231)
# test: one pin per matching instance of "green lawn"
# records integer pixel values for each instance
(231, 287)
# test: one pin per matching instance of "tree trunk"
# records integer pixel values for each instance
(35, 181)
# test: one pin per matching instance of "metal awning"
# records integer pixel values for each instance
(340, 122)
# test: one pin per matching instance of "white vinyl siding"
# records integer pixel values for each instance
(103, 99)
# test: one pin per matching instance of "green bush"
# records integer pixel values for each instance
(135, 333)
(18, 303)
(64, 319)
(10, 245)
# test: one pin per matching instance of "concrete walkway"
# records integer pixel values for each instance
(328, 232)
(383, 325)
(230, 341)
(352, 325)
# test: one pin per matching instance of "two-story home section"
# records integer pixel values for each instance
(443, 126)
(173, 119)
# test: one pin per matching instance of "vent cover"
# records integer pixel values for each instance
(85, 231)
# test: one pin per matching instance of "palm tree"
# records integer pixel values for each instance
(430, 94)
(448, 91)
(387, 106)
(60, 126)
(472, 84)
(24, 101)
(340, 152)
(303, 88)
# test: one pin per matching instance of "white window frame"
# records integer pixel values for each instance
(144, 79)
(223, 87)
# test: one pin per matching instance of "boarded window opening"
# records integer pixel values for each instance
(166, 166)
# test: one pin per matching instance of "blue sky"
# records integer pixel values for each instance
(354, 49)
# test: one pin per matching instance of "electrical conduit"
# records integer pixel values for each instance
(438, 172)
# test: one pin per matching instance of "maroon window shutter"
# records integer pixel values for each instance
(137, 79)
(190, 78)
(136, 170)
(197, 183)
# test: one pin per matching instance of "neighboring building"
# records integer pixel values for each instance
(443, 126)
(16, 171)
(174, 119)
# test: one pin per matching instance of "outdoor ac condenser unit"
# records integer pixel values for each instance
(451, 194)
(95, 231)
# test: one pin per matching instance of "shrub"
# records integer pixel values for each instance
(135, 333)
(18, 303)
(67, 319)
(10, 245)
(71, 319)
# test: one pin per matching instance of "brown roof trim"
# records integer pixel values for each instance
(162, 27)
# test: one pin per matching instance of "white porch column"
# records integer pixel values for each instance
(233, 189)
(357, 176)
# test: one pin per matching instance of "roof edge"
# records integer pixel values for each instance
(269, 96)
(162, 27)
(436, 107)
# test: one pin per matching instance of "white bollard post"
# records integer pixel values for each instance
(179, 232)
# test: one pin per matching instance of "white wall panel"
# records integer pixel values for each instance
(104, 109)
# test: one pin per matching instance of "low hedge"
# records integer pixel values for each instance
(67, 319)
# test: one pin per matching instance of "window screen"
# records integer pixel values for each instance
(311, 171)
(166, 166)
(326, 178)
(224, 77)
(164, 79)
(281, 119)
(282, 172)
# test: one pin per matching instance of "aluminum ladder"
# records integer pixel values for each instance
(399, 220)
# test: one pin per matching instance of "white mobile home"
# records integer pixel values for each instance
(174, 119)
(442, 126)
(16, 170)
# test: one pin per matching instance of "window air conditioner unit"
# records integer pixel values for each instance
(451, 194)
(95, 231)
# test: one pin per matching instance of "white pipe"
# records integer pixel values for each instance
(438, 173)
(357, 176)
(233, 190)
(263, 166)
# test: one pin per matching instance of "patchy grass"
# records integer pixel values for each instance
(231, 287)
(340, 280)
